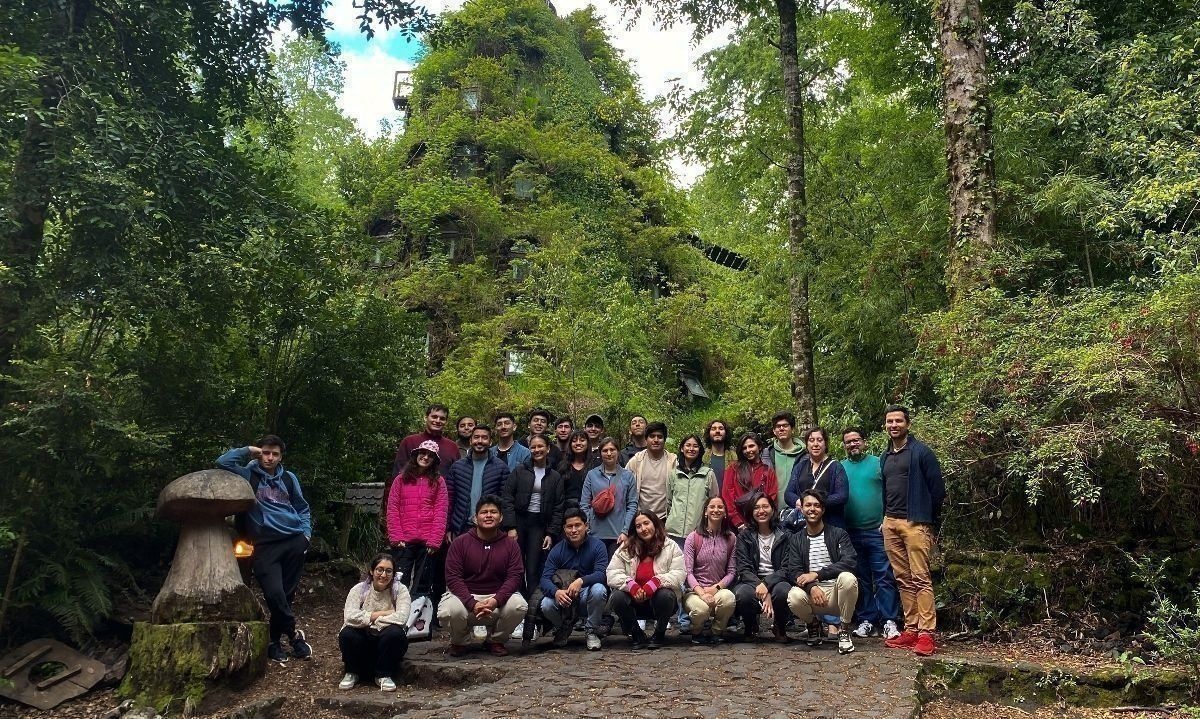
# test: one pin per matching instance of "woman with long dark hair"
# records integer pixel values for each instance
(576, 462)
(762, 586)
(416, 514)
(374, 635)
(747, 474)
(532, 501)
(692, 485)
(708, 558)
(645, 578)
(817, 470)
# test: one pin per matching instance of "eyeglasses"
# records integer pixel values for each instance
(384, 571)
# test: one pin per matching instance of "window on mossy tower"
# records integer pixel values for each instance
(471, 98)
(402, 87)
(514, 362)
(692, 387)
(523, 188)
(466, 161)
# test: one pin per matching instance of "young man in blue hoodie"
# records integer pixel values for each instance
(281, 527)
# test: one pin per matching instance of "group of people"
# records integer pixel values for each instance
(566, 529)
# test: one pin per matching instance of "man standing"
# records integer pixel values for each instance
(436, 416)
(587, 558)
(717, 453)
(653, 469)
(878, 603)
(507, 449)
(539, 425)
(782, 452)
(472, 477)
(820, 562)
(563, 427)
(594, 427)
(637, 438)
(483, 573)
(280, 526)
(913, 493)
(465, 426)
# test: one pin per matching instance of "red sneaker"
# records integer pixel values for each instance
(496, 649)
(457, 650)
(906, 640)
(925, 646)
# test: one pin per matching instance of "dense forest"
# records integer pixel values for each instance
(197, 247)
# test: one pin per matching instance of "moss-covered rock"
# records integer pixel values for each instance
(176, 665)
(1027, 685)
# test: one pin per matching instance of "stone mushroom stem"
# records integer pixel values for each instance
(204, 583)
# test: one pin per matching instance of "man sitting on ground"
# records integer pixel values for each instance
(587, 557)
(484, 572)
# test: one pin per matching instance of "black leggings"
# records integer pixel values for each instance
(660, 608)
(747, 604)
(530, 535)
(366, 653)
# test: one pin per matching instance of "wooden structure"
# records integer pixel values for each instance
(23, 682)
(364, 497)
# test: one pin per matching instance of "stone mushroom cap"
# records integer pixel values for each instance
(207, 494)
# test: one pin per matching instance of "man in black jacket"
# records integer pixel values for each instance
(820, 562)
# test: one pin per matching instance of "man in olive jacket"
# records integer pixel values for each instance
(820, 562)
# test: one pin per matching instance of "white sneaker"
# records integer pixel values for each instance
(890, 630)
(386, 684)
(593, 642)
(863, 630)
(480, 632)
(845, 645)
(520, 630)
(348, 681)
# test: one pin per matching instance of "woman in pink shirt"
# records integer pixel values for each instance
(416, 514)
(708, 557)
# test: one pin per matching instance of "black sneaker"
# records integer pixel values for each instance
(637, 639)
(657, 640)
(276, 653)
(814, 637)
(300, 647)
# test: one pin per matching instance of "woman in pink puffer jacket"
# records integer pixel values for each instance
(416, 514)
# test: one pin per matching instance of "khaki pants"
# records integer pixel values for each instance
(908, 546)
(841, 593)
(700, 612)
(459, 620)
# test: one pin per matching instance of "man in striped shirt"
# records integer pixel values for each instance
(821, 562)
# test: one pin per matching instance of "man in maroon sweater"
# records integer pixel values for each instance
(484, 572)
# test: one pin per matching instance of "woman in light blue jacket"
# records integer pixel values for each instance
(610, 477)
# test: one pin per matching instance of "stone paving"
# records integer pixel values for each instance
(679, 681)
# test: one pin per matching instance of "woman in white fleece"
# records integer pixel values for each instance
(374, 637)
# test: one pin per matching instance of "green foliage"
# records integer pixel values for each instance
(1172, 626)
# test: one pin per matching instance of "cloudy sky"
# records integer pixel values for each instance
(659, 57)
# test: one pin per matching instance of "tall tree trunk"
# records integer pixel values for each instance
(804, 386)
(968, 119)
(29, 197)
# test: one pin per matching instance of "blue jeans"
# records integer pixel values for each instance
(878, 600)
(591, 599)
(684, 619)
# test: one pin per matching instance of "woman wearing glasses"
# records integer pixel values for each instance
(374, 635)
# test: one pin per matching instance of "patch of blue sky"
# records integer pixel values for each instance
(393, 43)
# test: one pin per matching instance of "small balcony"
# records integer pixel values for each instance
(402, 87)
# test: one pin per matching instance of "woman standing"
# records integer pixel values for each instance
(817, 470)
(374, 635)
(609, 498)
(532, 502)
(645, 577)
(690, 488)
(708, 558)
(416, 514)
(762, 586)
(747, 474)
(577, 461)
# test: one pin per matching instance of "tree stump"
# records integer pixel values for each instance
(206, 627)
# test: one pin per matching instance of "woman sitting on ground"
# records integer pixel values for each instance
(762, 583)
(374, 636)
(708, 557)
(746, 475)
(645, 577)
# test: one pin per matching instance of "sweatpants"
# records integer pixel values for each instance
(278, 564)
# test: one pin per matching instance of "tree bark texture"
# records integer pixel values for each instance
(969, 164)
(804, 386)
(29, 198)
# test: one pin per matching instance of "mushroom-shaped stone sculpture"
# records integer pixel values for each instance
(204, 584)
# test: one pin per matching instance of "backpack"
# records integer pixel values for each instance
(420, 615)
